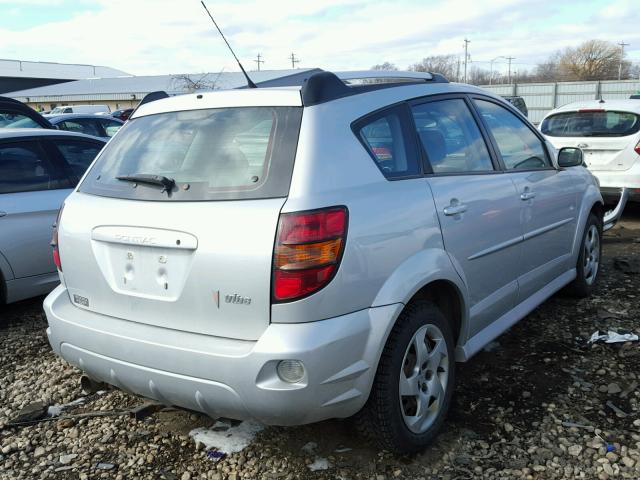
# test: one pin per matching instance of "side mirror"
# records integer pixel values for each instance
(570, 157)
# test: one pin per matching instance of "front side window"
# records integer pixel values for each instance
(591, 123)
(88, 127)
(385, 139)
(210, 154)
(519, 147)
(24, 167)
(110, 127)
(450, 137)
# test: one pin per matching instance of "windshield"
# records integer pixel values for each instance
(591, 123)
(213, 154)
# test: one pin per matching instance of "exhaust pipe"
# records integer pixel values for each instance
(90, 386)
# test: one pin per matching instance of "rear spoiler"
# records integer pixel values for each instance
(150, 97)
(612, 216)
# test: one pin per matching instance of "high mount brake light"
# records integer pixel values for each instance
(308, 250)
(54, 240)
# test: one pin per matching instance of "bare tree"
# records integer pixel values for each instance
(478, 76)
(385, 66)
(446, 65)
(592, 60)
(194, 83)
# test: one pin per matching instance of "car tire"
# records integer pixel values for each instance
(588, 266)
(408, 423)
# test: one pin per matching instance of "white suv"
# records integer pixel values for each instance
(303, 253)
(608, 132)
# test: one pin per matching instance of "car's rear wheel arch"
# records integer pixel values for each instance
(598, 210)
(446, 296)
(3, 290)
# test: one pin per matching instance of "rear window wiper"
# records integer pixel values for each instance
(160, 180)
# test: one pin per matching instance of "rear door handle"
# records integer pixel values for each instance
(2, 214)
(527, 195)
(455, 209)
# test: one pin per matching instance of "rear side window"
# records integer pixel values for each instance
(212, 154)
(385, 138)
(16, 120)
(519, 147)
(450, 137)
(24, 167)
(591, 123)
(78, 155)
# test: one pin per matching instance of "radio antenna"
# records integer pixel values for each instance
(250, 84)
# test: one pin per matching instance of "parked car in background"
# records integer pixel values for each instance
(13, 111)
(291, 268)
(608, 132)
(123, 114)
(94, 125)
(517, 102)
(38, 169)
(101, 109)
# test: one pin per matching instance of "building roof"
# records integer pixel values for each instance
(136, 87)
(52, 70)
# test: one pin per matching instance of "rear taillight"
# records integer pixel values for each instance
(637, 148)
(54, 240)
(308, 250)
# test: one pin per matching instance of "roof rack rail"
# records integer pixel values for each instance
(325, 86)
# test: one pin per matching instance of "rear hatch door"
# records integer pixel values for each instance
(194, 254)
(607, 138)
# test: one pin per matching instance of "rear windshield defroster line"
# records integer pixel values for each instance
(237, 153)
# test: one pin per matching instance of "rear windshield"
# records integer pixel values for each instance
(591, 124)
(214, 154)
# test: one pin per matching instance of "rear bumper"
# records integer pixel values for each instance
(612, 181)
(613, 194)
(226, 377)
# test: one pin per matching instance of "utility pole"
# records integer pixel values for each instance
(466, 57)
(509, 59)
(622, 45)
(458, 71)
(294, 60)
(258, 61)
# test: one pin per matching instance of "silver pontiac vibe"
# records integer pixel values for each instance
(328, 250)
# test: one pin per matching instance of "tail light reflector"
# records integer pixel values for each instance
(308, 250)
(54, 240)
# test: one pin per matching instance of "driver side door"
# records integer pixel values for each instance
(548, 196)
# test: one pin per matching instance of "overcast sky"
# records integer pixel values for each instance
(163, 36)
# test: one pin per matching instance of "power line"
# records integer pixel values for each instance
(294, 60)
(622, 45)
(258, 61)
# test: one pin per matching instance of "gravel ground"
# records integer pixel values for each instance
(538, 403)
